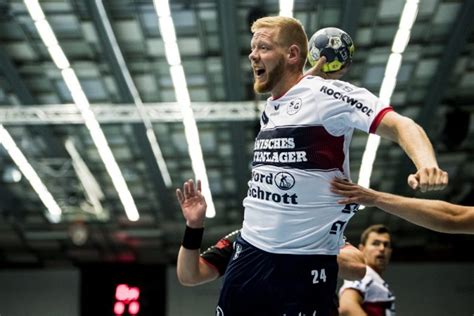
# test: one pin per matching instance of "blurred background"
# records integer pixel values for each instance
(105, 111)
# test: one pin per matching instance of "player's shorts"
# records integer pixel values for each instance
(261, 283)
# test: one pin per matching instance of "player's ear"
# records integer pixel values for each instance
(293, 54)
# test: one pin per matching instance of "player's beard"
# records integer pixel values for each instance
(272, 78)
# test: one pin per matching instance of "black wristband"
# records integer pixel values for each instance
(192, 238)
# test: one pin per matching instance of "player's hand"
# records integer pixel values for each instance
(192, 202)
(428, 179)
(316, 70)
(353, 193)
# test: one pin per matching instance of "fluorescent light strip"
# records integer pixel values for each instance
(81, 101)
(28, 171)
(178, 77)
(91, 187)
(150, 133)
(286, 8)
(389, 82)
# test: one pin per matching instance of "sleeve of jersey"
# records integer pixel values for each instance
(218, 255)
(359, 286)
(347, 106)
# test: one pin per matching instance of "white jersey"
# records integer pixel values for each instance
(378, 299)
(303, 144)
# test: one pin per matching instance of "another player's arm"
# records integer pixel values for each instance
(416, 144)
(351, 263)
(350, 303)
(190, 268)
(433, 214)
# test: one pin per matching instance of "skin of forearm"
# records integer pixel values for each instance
(414, 141)
(188, 267)
(433, 214)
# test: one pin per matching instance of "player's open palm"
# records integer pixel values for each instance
(192, 202)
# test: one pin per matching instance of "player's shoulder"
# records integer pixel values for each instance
(333, 83)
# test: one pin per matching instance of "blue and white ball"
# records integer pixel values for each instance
(334, 44)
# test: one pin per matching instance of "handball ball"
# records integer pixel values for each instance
(334, 44)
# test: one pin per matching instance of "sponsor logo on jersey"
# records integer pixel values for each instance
(294, 106)
(348, 99)
(279, 157)
(282, 180)
(274, 143)
(275, 156)
(306, 147)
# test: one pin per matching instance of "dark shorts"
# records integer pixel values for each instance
(261, 283)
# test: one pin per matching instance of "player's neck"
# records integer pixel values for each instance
(379, 270)
(286, 83)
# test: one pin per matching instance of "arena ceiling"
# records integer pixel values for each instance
(435, 87)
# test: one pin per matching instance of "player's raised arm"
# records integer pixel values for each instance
(189, 268)
(416, 144)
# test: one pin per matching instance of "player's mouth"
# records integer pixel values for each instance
(259, 72)
(381, 257)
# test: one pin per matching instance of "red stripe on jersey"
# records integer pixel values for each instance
(378, 119)
(223, 243)
(375, 308)
(325, 151)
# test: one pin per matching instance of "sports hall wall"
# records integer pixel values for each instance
(421, 290)
(442, 289)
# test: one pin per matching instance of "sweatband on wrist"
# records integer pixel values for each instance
(192, 238)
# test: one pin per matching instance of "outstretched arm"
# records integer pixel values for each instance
(416, 144)
(432, 214)
(190, 268)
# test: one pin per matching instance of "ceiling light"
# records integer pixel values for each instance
(183, 99)
(389, 83)
(81, 101)
(30, 174)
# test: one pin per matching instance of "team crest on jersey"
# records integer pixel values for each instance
(284, 181)
(294, 106)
